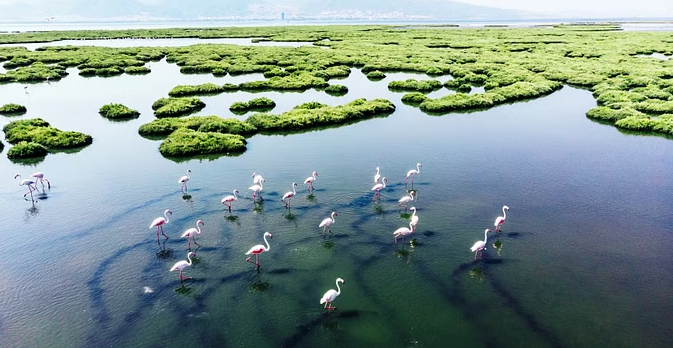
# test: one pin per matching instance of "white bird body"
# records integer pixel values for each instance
(405, 200)
(181, 265)
(39, 176)
(256, 178)
(331, 295)
(159, 223)
(377, 176)
(414, 218)
(257, 189)
(289, 195)
(480, 245)
(310, 180)
(191, 233)
(29, 183)
(403, 231)
(183, 180)
(501, 219)
(413, 172)
(379, 187)
(231, 198)
(259, 248)
(327, 222)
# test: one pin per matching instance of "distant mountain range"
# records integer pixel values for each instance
(87, 10)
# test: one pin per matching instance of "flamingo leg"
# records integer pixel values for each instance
(157, 234)
(162, 232)
(184, 278)
(230, 207)
(194, 238)
(189, 243)
(475, 255)
(323, 230)
(312, 188)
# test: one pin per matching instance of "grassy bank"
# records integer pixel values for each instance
(259, 104)
(37, 131)
(118, 112)
(187, 142)
(166, 126)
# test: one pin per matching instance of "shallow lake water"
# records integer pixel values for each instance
(582, 259)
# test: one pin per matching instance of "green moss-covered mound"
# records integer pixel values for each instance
(137, 70)
(311, 105)
(40, 132)
(191, 90)
(336, 90)
(166, 126)
(187, 142)
(414, 85)
(26, 149)
(176, 107)
(261, 104)
(303, 118)
(414, 98)
(118, 112)
(376, 75)
(294, 81)
(12, 110)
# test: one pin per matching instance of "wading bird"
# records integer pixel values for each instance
(414, 218)
(331, 295)
(289, 195)
(183, 180)
(159, 223)
(412, 173)
(257, 189)
(29, 183)
(327, 222)
(39, 176)
(378, 188)
(501, 219)
(181, 265)
(406, 200)
(377, 176)
(256, 178)
(309, 181)
(480, 245)
(229, 199)
(191, 234)
(403, 231)
(258, 249)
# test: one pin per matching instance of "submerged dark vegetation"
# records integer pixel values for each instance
(633, 91)
(35, 137)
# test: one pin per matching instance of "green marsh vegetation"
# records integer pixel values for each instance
(12, 109)
(176, 107)
(414, 85)
(336, 90)
(118, 112)
(166, 126)
(259, 104)
(511, 64)
(187, 142)
(37, 131)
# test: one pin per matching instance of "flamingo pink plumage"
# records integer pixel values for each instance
(181, 265)
(159, 223)
(256, 178)
(378, 188)
(377, 176)
(39, 176)
(183, 180)
(403, 231)
(257, 189)
(331, 295)
(414, 218)
(412, 173)
(29, 183)
(327, 222)
(480, 245)
(191, 234)
(289, 195)
(231, 198)
(406, 200)
(309, 181)
(501, 219)
(258, 249)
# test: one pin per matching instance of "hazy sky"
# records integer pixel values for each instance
(604, 8)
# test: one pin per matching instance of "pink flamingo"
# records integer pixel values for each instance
(191, 234)
(480, 245)
(159, 223)
(327, 222)
(378, 188)
(405, 200)
(310, 180)
(331, 295)
(403, 231)
(500, 219)
(229, 199)
(258, 249)
(257, 189)
(39, 176)
(414, 218)
(256, 178)
(377, 176)
(29, 183)
(183, 180)
(289, 195)
(413, 172)
(181, 265)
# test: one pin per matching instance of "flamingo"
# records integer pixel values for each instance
(229, 199)
(310, 180)
(258, 249)
(289, 195)
(377, 176)
(183, 180)
(29, 183)
(39, 176)
(331, 295)
(191, 234)
(406, 200)
(159, 223)
(181, 265)
(414, 218)
(378, 188)
(480, 245)
(403, 231)
(500, 219)
(413, 172)
(257, 189)
(327, 222)
(256, 178)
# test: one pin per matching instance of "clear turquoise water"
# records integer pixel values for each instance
(583, 260)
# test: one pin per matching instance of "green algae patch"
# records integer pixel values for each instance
(137, 70)
(303, 118)
(336, 90)
(260, 104)
(191, 90)
(187, 142)
(295, 81)
(414, 98)
(118, 112)
(26, 149)
(38, 131)
(375, 75)
(12, 110)
(166, 126)
(176, 107)
(415, 85)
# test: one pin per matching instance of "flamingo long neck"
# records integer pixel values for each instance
(267, 243)
(261, 186)
(418, 168)
(384, 183)
(198, 228)
(235, 197)
(314, 176)
(504, 213)
(413, 215)
(338, 288)
(332, 216)
(189, 174)
(189, 259)
(485, 236)
(18, 176)
(294, 189)
(166, 215)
